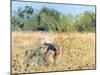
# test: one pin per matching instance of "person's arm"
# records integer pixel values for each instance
(45, 54)
(46, 51)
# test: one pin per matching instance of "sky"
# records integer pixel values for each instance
(63, 8)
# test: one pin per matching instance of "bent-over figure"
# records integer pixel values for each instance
(56, 49)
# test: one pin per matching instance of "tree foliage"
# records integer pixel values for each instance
(46, 19)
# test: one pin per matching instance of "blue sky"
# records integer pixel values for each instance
(63, 8)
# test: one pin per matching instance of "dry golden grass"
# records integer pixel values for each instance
(78, 51)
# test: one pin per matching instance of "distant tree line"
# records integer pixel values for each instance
(46, 19)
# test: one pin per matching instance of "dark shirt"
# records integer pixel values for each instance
(51, 47)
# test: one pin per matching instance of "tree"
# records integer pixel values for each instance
(47, 18)
(87, 21)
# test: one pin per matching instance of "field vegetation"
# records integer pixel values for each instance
(78, 51)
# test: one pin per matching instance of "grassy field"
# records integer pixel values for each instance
(78, 51)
